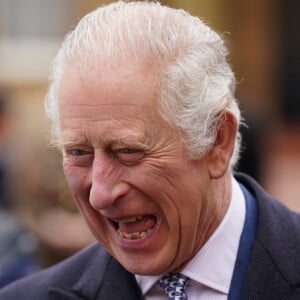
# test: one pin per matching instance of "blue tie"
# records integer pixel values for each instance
(174, 285)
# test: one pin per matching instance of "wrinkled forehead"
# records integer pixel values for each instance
(130, 88)
(116, 102)
(91, 75)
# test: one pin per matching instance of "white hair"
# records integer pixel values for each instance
(196, 84)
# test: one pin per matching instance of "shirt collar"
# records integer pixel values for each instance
(213, 265)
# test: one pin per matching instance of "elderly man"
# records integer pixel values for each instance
(143, 110)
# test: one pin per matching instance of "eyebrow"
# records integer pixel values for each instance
(130, 140)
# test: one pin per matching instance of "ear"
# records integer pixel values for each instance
(220, 155)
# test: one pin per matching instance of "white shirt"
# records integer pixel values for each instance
(212, 267)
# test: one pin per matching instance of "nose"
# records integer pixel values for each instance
(107, 186)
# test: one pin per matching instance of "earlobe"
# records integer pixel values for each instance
(220, 154)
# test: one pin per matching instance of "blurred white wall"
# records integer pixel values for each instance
(30, 34)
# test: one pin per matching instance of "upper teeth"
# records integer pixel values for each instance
(132, 219)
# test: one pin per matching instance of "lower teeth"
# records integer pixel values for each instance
(133, 235)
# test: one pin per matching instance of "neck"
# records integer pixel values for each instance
(213, 213)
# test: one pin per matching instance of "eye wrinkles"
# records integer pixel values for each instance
(128, 146)
(124, 150)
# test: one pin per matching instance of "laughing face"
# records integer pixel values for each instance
(128, 170)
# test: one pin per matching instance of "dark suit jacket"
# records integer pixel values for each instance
(92, 274)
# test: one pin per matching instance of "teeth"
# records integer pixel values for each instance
(133, 235)
(132, 219)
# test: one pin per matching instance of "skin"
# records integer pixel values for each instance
(122, 160)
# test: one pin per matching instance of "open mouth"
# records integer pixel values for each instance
(136, 227)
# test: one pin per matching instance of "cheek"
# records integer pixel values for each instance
(77, 179)
(161, 184)
(159, 174)
(79, 186)
(177, 191)
(165, 183)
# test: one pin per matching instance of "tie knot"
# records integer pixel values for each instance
(174, 285)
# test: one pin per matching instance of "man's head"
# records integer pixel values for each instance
(142, 106)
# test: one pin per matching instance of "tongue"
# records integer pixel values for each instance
(147, 222)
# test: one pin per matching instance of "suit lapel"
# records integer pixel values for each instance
(118, 284)
(103, 278)
(59, 294)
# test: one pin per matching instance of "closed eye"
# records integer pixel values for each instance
(129, 156)
(128, 151)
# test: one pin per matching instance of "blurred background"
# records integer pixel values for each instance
(39, 224)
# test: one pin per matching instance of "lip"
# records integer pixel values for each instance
(133, 244)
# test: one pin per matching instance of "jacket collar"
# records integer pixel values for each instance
(103, 278)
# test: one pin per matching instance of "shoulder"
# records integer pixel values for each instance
(275, 261)
(62, 275)
(277, 224)
(272, 213)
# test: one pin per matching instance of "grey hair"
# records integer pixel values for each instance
(196, 84)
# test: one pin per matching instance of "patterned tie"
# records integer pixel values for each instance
(174, 285)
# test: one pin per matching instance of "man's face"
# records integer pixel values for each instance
(129, 172)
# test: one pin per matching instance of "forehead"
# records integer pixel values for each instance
(119, 100)
(109, 81)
